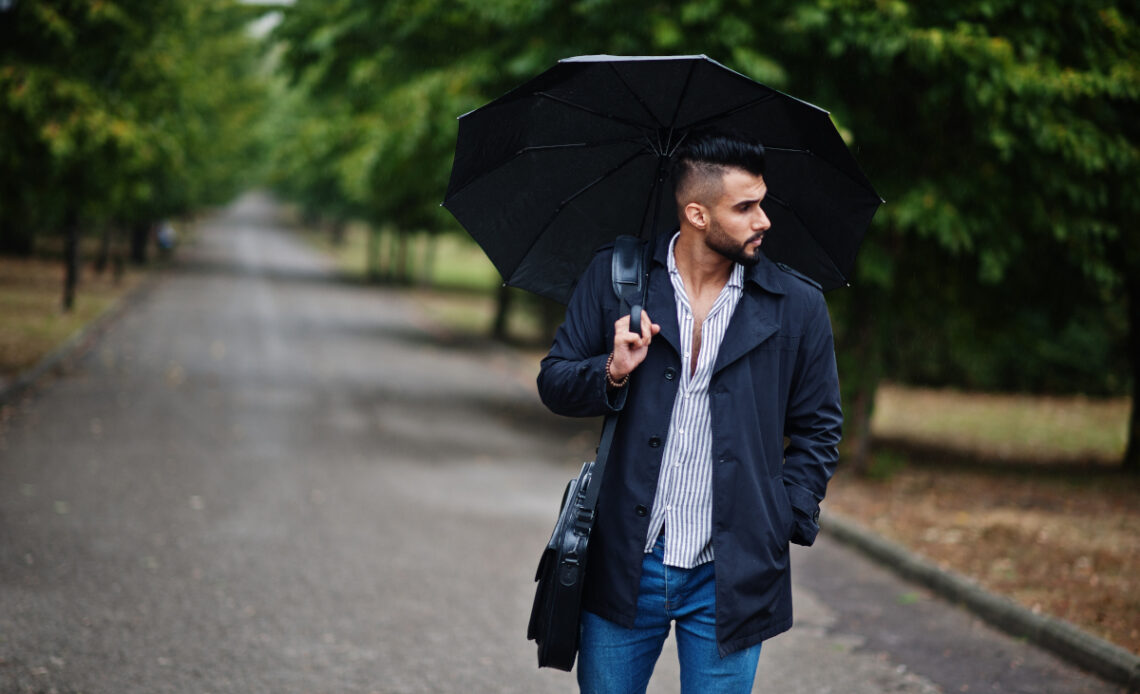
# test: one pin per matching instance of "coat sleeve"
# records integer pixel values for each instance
(572, 379)
(813, 423)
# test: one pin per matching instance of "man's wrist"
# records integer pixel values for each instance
(610, 380)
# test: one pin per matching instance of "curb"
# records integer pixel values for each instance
(1065, 640)
(78, 342)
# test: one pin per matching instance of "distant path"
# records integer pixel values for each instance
(264, 480)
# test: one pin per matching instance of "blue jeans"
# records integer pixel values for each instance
(616, 660)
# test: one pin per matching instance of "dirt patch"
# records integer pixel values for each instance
(1064, 542)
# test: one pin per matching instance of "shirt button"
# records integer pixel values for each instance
(654, 441)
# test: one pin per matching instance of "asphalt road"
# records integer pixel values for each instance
(261, 479)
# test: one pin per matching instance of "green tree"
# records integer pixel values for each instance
(999, 133)
(119, 112)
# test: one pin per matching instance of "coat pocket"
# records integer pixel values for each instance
(784, 508)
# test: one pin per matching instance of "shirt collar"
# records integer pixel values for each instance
(735, 279)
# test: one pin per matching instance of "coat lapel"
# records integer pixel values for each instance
(757, 316)
(661, 304)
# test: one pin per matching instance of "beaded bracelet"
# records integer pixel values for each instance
(610, 379)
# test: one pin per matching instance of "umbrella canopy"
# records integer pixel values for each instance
(581, 154)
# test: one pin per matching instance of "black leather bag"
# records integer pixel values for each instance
(561, 574)
(562, 567)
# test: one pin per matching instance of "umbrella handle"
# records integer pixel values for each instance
(635, 319)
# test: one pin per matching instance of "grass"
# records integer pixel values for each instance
(32, 322)
(459, 290)
(458, 263)
(1044, 429)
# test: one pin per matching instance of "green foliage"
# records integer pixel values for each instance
(1003, 136)
(122, 109)
(396, 101)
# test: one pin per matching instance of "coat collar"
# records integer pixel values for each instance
(764, 274)
(757, 316)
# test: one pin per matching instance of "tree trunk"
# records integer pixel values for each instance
(552, 316)
(15, 239)
(372, 266)
(390, 271)
(70, 259)
(140, 239)
(431, 252)
(103, 258)
(401, 272)
(860, 371)
(337, 232)
(118, 257)
(1132, 454)
(502, 312)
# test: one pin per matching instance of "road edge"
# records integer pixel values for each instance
(1062, 638)
(79, 341)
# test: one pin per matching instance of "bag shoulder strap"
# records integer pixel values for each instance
(630, 283)
(628, 276)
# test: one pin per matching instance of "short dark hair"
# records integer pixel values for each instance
(707, 154)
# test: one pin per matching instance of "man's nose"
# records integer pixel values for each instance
(761, 221)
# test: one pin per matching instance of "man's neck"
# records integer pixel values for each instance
(702, 269)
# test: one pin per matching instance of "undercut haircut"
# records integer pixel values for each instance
(703, 159)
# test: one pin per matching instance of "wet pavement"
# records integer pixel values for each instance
(264, 479)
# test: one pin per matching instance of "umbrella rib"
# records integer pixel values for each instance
(539, 148)
(587, 109)
(804, 224)
(731, 111)
(636, 96)
(588, 186)
(810, 153)
(652, 201)
(681, 99)
(581, 191)
(568, 145)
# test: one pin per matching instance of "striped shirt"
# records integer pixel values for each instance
(683, 503)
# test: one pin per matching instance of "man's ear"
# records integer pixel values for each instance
(697, 215)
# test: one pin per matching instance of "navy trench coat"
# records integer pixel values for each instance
(776, 423)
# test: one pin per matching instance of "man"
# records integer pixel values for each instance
(727, 436)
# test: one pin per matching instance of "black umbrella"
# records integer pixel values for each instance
(580, 155)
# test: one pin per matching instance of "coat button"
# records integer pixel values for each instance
(654, 441)
(670, 373)
(641, 511)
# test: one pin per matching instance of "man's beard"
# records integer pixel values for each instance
(722, 243)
